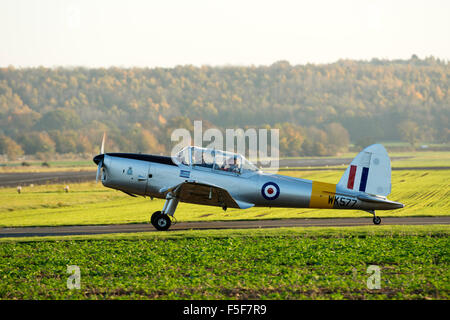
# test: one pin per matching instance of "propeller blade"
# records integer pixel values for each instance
(99, 168)
(102, 148)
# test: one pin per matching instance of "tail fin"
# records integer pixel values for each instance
(369, 172)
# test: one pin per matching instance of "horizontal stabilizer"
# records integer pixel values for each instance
(373, 199)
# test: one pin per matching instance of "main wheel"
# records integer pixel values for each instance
(162, 222)
(154, 215)
(376, 220)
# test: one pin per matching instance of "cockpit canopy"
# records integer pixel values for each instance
(209, 159)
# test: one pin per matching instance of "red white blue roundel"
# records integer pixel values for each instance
(270, 191)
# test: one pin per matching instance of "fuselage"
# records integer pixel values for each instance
(150, 175)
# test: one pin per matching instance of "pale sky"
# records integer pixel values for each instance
(166, 33)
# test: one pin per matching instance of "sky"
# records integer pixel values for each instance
(167, 33)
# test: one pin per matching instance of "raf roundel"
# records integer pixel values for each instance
(270, 191)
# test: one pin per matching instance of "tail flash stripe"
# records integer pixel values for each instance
(364, 175)
(351, 177)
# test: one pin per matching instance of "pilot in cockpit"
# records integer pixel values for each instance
(232, 164)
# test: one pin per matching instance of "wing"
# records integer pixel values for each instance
(206, 194)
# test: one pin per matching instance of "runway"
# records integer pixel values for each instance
(204, 225)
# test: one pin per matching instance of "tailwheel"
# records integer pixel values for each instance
(162, 222)
(376, 220)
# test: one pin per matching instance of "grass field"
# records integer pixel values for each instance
(290, 263)
(424, 192)
(422, 159)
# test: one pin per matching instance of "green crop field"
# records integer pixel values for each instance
(287, 263)
(422, 159)
(424, 192)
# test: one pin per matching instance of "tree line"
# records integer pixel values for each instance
(319, 109)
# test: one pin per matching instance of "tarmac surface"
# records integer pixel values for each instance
(204, 225)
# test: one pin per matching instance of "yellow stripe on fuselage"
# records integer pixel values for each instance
(322, 195)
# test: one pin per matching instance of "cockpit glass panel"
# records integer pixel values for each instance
(222, 161)
(247, 166)
(183, 157)
(202, 157)
(227, 162)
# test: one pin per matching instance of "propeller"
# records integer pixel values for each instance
(99, 168)
(100, 158)
(102, 148)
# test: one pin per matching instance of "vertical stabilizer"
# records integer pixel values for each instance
(369, 172)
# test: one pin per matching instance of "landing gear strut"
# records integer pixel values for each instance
(161, 219)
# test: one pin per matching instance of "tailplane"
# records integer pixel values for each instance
(369, 172)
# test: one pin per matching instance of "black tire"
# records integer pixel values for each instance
(162, 222)
(154, 215)
(376, 220)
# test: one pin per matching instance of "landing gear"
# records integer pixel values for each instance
(376, 220)
(161, 220)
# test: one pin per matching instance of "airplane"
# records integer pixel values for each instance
(219, 178)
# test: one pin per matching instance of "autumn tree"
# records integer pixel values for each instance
(59, 119)
(34, 142)
(9, 147)
(315, 143)
(291, 139)
(373, 99)
(338, 138)
(409, 131)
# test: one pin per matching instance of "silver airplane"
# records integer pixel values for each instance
(218, 178)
